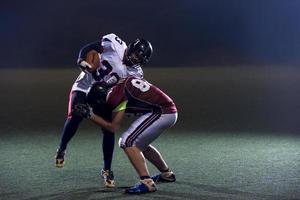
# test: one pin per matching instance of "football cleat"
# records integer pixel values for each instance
(144, 186)
(60, 159)
(108, 178)
(164, 177)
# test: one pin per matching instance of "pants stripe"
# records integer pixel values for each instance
(140, 129)
(145, 124)
(70, 104)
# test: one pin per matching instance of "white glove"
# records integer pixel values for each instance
(85, 66)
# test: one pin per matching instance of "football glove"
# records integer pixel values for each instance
(84, 66)
(82, 110)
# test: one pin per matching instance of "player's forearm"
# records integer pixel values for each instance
(103, 123)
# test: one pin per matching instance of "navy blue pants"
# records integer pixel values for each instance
(72, 123)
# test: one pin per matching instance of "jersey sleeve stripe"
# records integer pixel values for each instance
(121, 106)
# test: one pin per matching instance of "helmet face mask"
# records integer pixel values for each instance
(138, 52)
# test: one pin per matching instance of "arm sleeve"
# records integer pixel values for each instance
(121, 106)
(96, 45)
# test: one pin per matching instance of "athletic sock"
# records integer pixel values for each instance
(69, 130)
(144, 177)
(108, 149)
(167, 170)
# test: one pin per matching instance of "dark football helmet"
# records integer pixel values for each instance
(97, 94)
(138, 52)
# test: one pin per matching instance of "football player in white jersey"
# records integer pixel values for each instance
(116, 61)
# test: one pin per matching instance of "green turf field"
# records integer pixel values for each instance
(237, 137)
(208, 166)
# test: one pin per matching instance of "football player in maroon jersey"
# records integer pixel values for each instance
(158, 113)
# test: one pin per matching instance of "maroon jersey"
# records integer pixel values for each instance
(141, 96)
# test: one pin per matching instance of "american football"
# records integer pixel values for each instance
(93, 59)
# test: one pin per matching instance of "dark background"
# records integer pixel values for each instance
(47, 33)
(229, 65)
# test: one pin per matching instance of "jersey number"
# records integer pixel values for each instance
(107, 71)
(118, 40)
(140, 84)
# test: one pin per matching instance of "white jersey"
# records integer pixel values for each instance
(111, 67)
